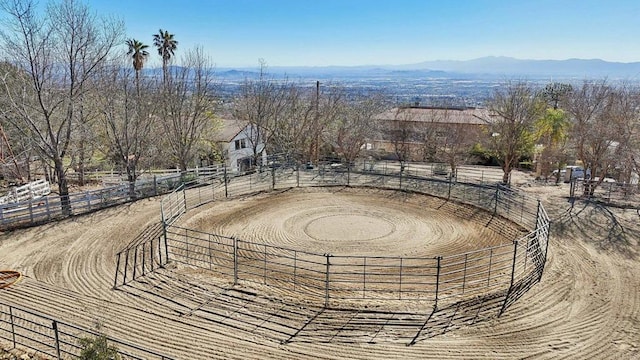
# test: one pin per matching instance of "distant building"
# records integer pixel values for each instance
(421, 130)
(238, 140)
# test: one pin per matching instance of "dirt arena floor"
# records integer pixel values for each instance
(587, 305)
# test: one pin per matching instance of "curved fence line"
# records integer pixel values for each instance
(35, 211)
(508, 269)
(57, 339)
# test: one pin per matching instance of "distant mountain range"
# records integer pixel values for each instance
(491, 66)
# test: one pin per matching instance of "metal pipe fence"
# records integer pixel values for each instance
(49, 208)
(332, 278)
(57, 339)
(145, 256)
(614, 193)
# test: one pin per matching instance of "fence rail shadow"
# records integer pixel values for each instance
(497, 275)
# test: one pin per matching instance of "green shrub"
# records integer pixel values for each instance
(98, 349)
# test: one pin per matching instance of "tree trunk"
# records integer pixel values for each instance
(183, 165)
(131, 178)
(81, 156)
(138, 83)
(506, 175)
(165, 71)
(63, 187)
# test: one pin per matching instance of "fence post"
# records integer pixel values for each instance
(186, 243)
(364, 278)
(326, 281)
(298, 176)
(273, 176)
(88, 196)
(235, 261)
(155, 185)
(210, 255)
(166, 244)
(439, 258)
(46, 204)
(57, 339)
(522, 208)
(513, 271)
(495, 207)
(513, 266)
(464, 273)
(546, 250)
(31, 210)
(490, 261)
(135, 261)
(184, 196)
(449, 191)
(537, 235)
(143, 258)
(13, 330)
(115, 281)
(400, 282)
(226, 181)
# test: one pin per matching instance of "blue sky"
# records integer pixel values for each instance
(381, 32)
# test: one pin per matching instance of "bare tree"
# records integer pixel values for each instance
(127, 119)
(260, 104)
(594, 132)
(627, 119)
(59, 53)
(350, 123)
(401, 134)
(187, 105)
(514, 109)
(292, 131)
(428, 134)
(455, 141)
(605, 127)
(15, 149)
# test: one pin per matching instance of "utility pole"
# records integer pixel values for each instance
(317, 123)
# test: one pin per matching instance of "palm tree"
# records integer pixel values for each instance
(167, 46)
(138, 52)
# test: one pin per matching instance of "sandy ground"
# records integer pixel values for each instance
(586, 307)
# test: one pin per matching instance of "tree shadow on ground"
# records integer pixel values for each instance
(609, 228)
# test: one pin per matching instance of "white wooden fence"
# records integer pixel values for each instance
(33, 190)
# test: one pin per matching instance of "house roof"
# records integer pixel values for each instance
(472, 116)
(230, 129)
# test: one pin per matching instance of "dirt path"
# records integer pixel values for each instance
(587, 305)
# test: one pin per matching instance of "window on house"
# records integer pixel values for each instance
(241, 144)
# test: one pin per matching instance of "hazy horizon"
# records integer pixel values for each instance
(358, 32)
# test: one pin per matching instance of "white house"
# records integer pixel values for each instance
(238, 140)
